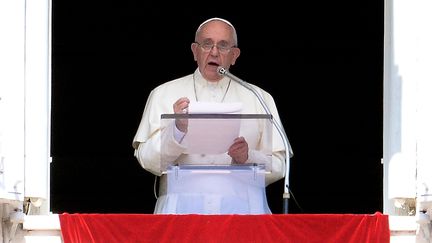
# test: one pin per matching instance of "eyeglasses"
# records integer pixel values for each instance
(222, 47)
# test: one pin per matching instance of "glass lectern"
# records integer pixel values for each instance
(203, 179)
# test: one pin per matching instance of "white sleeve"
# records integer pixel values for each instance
(153, 156)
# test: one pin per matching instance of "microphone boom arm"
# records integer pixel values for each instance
(279, 128)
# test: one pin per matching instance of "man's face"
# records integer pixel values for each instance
(214, 47)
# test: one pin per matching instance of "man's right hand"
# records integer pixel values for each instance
(181, 107)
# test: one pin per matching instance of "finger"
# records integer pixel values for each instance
(181, 105)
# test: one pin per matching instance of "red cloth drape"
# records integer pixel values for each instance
(296, 228)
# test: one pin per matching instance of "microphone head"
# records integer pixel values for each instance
(221, 70)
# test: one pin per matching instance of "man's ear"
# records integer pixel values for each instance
(236, 53)
(194, 50)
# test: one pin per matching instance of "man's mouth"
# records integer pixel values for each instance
(213, 64)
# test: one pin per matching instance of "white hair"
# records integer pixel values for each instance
(217, 19)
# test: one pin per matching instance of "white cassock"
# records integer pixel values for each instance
(218, 195)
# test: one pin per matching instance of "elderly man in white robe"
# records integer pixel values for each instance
(215, 46)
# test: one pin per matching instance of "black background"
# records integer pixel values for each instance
(322, 62)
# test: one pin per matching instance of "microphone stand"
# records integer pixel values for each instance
(279, 128)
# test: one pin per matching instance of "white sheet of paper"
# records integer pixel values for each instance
(214, 108)
(212, 136)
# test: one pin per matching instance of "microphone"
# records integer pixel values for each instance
(286, 195)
